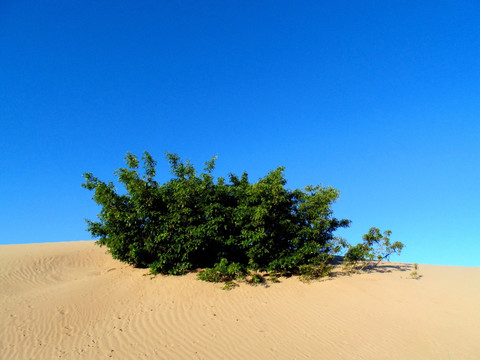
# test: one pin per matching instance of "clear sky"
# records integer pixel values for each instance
(380, 99)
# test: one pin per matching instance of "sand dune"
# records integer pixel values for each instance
(71, 300)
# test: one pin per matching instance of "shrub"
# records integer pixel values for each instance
(256, 279)
(312, 272)
(193, 221)
(223, 272)
(229, 285)
(414, 274)
(372, 251)
(273, 278)
(226, 227)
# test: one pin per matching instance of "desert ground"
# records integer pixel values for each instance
(71, 300)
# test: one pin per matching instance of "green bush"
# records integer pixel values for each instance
(228, 227)
(256, 279)
(223, 272)
(312, 272)
(372, 250)
(414, 274)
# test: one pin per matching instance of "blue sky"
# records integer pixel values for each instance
(379, 99)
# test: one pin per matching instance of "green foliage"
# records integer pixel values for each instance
(226, 227)
(273, 278)
(372, 250)
(256, 279)
(223, 272)
(414, 274)
(312, 272)
(193, 221)
(229, 285)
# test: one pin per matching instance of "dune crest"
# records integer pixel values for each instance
(72, 300)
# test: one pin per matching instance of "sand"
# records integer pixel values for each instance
(73, 301)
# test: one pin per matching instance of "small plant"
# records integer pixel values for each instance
(229, 285)
(272, 277)
(312, 272)
(223, 272)
(372, 251)
(414, 274)
(256, 279)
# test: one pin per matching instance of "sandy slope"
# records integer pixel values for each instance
(71, 300)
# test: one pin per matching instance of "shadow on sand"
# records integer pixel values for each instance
(382, 267)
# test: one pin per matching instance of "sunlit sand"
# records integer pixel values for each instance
(71, 300)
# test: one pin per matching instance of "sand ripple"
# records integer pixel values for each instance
(71, 300)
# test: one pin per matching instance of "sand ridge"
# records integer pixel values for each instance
(72, 300)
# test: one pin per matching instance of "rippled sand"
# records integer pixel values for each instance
(71, 300)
